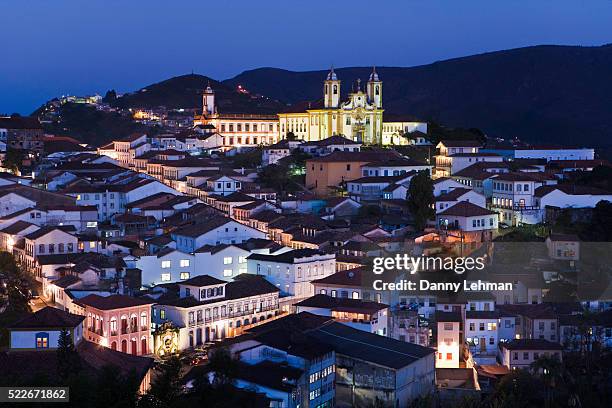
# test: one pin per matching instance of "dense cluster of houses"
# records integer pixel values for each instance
(155, 245)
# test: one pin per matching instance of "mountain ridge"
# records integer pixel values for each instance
(543, 93)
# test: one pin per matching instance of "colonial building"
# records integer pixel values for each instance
(359, 118)
(208, 309)
(120, 322)
(237, 129)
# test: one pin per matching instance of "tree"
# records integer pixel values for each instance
(550, 372)
(68, 360)
(18, 284)
(517, 389)
(13, 159)
(114, 389)
(224, 366)
(421, 199)
(275, 176)
(166, 385)
(291, 136)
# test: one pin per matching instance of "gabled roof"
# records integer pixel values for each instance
(466, 209)
(370, 347)
(350, 277)
(342, 304)
(113, 301)
(48, 317)
(531, 344)
(243, 286)
(461, 143)
(454, 194)
(364, 156)
(199, 229)
(337, 140)
(203, 280)
(564, 238)
(16, 227)
(382, 179)
(286, 257)
(570, 189)
(396, 162)
(48, 229)
(66, 281)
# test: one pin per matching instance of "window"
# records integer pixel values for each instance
(242, 259)
(448, 326)
(162, 313)
(355, 295)
(166, 264)
(491, 326)
(143, 321)
(227, 260)
(481, 326)
(526, 355)
(227, 272)
(184, 263)
(165, 277)
(113, 326)
(184, 275)
(449, 356)
(42, 340)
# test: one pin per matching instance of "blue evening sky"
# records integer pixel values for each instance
(50, 48)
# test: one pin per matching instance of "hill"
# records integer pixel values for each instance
(186, 92)
(558, 94)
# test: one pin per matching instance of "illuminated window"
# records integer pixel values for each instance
(42, 340)
(184, 262)
(227, 260)
(165, 277)
(165, 264)
(227, 272)
(242, 259)
(184, 275)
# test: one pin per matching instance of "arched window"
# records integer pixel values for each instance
(326, 89)
(335, 89)
(377, 90)
(143, 345)
(124, 346)
(133, 346)
(114, 345)
(113, 326)
(143, 321)
(124, 324)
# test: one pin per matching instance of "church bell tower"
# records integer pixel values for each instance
(374, 89)
(208, 101)
(331, 90)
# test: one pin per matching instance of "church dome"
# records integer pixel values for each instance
(331, 76)
(374, 75)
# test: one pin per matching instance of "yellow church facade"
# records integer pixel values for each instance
(359, 118)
